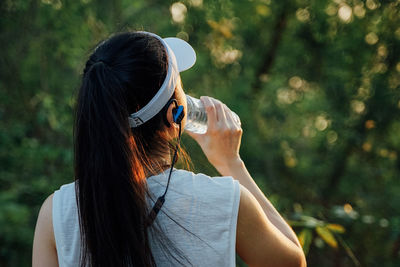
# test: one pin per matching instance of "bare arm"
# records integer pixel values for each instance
(258, 241)
(44, 252)
(237, 170)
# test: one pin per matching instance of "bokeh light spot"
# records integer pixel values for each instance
(291, 162)
(286, 96)
(370, 124)
(367, 147)
(178, 12)
(380, 68)
(196, 3)
(383, 152)
(295, 82)
(264, 77)
(332, 137)
(309, 131)
(331, 10)
(371, 38)
(382, 51)
(321, 123)
(263, 10)
(383, 223)
(347, 208)
(368, 219)
(345, 13)
(358, 106)
(359, 10)
(302, 14)
(371, 4)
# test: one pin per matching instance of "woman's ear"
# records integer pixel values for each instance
(167, 110)
(170, 115)
(173, 128)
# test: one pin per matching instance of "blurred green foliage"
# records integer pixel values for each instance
(316, 84)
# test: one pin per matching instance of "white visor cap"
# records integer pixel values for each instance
(181, 56)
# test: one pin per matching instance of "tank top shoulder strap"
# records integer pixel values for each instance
(66, 225)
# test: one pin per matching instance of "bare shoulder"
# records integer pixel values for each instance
(44, 248)
(45, 216)
(45, 212)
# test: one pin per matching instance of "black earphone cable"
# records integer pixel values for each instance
(160, 201)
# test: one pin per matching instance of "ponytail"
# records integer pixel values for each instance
(111, 162)
(110, 182)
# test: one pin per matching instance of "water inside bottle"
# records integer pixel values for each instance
(196, 117)
(196, 127)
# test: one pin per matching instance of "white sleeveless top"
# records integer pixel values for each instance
(207, 207)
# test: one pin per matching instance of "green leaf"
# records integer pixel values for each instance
(305, 238)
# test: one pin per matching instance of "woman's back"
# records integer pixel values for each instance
(206, 209)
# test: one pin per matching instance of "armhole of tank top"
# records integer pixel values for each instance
(56, 226)
(235, 213)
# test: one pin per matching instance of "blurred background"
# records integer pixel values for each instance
(315, 83)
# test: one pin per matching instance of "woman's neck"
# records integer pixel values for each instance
(158, 166)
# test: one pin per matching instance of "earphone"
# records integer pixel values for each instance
(177, 115)
(177, 112)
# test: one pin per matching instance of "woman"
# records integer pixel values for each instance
(128, 206)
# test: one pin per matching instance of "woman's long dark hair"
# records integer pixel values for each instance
(111, 159)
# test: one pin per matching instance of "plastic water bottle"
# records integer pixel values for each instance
(197, 117)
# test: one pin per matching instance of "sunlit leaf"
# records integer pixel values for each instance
(327, 236)
(337, 228)
(224, 27)
(305, 238)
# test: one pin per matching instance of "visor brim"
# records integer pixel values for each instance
(184, 53)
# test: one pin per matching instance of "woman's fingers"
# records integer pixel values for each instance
(210, 110)
(215, 113)
(223, 124)
(229, 117)
(219, 106)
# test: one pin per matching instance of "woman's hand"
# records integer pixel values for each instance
(221, 142)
